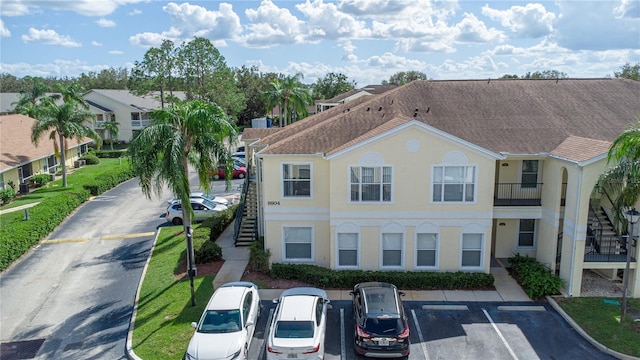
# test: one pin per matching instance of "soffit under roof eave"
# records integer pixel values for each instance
(262, 156)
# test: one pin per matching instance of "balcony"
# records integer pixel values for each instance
(517, 194)
(137, 124)
(608, 249)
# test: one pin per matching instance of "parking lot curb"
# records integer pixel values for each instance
(129, 346)
(584, 334)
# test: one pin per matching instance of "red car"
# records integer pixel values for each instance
(238, 172)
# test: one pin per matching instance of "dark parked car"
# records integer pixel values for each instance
(381, 327)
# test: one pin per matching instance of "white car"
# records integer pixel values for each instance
(200, 195)
(202, 209)
(227, 324)
(298, 325)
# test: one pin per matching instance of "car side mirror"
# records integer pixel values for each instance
(401, 293)
(275, 301)
(194, 325)
(351, 293)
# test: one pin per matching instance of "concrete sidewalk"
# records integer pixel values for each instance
(237, 258)
(18, 208)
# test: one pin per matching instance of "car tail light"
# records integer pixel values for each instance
(314, 350)
(271, 350)
(405, 333)
(362, 333)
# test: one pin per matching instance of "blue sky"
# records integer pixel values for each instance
(367, 40)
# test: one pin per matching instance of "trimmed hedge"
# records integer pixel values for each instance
(220, 221)
(17, 237)
(109, 181)
(40, 180)
(90, 159)
(204, 249)
(114, 154)
(536, 279)
(327, 278)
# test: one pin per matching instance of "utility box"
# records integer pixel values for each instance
(24, 188)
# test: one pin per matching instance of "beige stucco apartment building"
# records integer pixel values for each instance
(447, 176)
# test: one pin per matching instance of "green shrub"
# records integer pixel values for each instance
(323, 277)
(6, 195)
(204, 249)
(40, 180)
(90, 159)
(258, 256)
(106, 182)
(114, 154)
(17, 237)
(219, 222)
(536, 279)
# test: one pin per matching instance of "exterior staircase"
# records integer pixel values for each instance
(601, 236)
(247, 229)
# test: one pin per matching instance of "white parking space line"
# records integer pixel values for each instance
(261, 354)
(445, 307)
(522, 308)
(343, 347)
(422, 343)
(504, 341)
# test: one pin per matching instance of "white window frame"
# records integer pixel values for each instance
(360, 183)
(464, 183)
(436, 249)
(282, 180)
(284, 244)
(338, 249)
(535, 236)
(522, 173)
(481, 249)
(392, 228)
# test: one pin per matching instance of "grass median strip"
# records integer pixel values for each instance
(162, 328)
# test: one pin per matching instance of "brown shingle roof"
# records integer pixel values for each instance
(503, 116)
(16, 147)
(258, 133)
(581, 149)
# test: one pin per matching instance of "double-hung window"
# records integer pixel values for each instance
(426, 250)
(529, 173)
(371, 183)
(454, 183)
(472, 250)
(296, 180)
(347, 249)
(392, 244)
(298, 243)
(526, 233)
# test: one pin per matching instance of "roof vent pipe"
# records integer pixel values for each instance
(415, 113)
(380, 108)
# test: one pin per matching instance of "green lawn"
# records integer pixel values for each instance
(163, 322)
(602, 322)
(75, 181)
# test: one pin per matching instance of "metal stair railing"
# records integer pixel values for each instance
(240, 210)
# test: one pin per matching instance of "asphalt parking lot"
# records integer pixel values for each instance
(464, 330)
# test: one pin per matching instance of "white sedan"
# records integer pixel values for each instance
(297, 330)
(200, 195)
(227, 325)
(202, 209)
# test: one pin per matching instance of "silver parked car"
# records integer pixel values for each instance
(200, 195)
(202, 209)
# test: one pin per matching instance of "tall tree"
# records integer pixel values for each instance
(331, 85)
(546, 74)
(292, 97)
(30, 96)
(622, 181)
(207, 76)
(182, 134)
(113, 128)
(64, 121)
(405, 77)
(155, 72)
(252, 83)
(628, 71)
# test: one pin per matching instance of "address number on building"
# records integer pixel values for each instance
(273, 202)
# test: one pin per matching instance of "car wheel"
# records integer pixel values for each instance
(241, 176)
(216, 177)
(176, 221)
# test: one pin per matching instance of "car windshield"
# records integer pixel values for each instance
(384, 326)
(208, 197)
(208, 203)
(294, 329)
(220, 321)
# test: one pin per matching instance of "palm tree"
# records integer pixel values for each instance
(622, 181)
(112, 128)
(27, 104)
(291, 95)
(64, 121)
(181, 134)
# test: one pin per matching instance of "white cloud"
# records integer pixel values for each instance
(472, 30)
(271, 25)
(532, 20)
(57, 68)
(148, 39)
(425, 45)
(392, 61)
(105, 23)
(95, 43)
(348, 48)
(82, 7)
(326, 21)
(194, 20)
(374, 7)
(4, 32)
(628, 9)
(49, 37)
(116, 52)
(135, 12)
